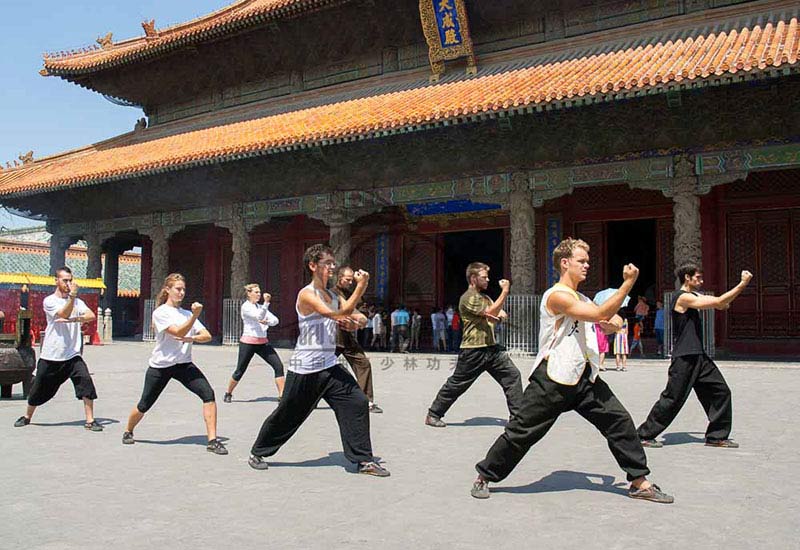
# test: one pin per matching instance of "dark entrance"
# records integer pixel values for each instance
(461, 249)
(633, 241)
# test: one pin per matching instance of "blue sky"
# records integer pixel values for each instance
(50, 115)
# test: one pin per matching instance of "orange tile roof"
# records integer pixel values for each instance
(235, 17)
(693, 60)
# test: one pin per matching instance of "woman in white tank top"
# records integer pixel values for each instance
(314, 372)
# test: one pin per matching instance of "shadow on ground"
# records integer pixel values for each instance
(333, 459)
(566, 480)
(682, 438)
(186, 440)
(481, 421)
(101, 421)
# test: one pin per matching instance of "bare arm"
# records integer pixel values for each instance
(567, 303)
(497, 306)
(66, 311)
(689, 300)
(308, 302)
(179, 331)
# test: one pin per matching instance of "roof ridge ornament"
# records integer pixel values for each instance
(150, 29)
(446, 28)
(106, 41)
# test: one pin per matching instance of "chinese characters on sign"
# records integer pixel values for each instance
(447, 22)
(446, 29)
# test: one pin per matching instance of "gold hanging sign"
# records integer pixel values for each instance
(446, 29)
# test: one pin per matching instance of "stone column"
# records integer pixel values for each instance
(338, 221)
(59, 244)
(159, 235)
(111, 278)
(523, 242)
(240, 245)
(340, 241)
(94, 252)
(683, 189)
(688, 246)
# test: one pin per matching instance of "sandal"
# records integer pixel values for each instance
(652, 493)
(93, 426)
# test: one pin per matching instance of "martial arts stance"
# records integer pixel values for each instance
(60, 358)
(479, 351)
(256, 319)
(314, 372)
(347, 343)
(177, 329)
(691, 369)
(565, 377)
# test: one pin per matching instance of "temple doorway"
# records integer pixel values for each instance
(462, 248)
(633, 241)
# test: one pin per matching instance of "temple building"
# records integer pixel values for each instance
(416, 136)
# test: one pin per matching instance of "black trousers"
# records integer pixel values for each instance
(543, 402)
(687, 373)
(472, 362)
(265, 351)
(301, 395)
(155, 380)
(51, 374)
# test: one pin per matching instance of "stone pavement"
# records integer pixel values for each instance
(64, 487)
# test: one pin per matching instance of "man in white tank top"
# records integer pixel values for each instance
(315, 372)
(565, 377)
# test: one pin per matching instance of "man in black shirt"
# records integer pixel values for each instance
(691, 369)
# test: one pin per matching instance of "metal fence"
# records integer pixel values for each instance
(148, 333)
(520, 334)
(231, 321)
(707, 318)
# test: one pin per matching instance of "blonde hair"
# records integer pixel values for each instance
(474, 268)
(566, 249)
(169, 282)
(251, 286)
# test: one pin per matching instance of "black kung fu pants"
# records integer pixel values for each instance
(543, 402)
(472, 362)
(687, 373)
(301, 395)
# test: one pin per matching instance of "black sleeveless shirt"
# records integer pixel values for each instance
(687, 330)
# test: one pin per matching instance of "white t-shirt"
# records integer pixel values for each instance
(169, 351)
(62, 341)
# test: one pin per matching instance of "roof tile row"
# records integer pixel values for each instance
(657, 64)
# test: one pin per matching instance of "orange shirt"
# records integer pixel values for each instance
(637, 331)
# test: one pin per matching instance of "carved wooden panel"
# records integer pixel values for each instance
(419, 261)
(774, 277)
(741, 254)
(759, 184)
(594, 234)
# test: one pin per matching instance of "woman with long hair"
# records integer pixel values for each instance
(315, 372)
(256, 319)
(177, 329)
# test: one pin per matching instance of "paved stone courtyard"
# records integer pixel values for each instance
(64, 487)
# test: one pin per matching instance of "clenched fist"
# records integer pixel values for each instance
(505, 284)
(197, 308)
(746, 277)
(361, 276)
(630, 272)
